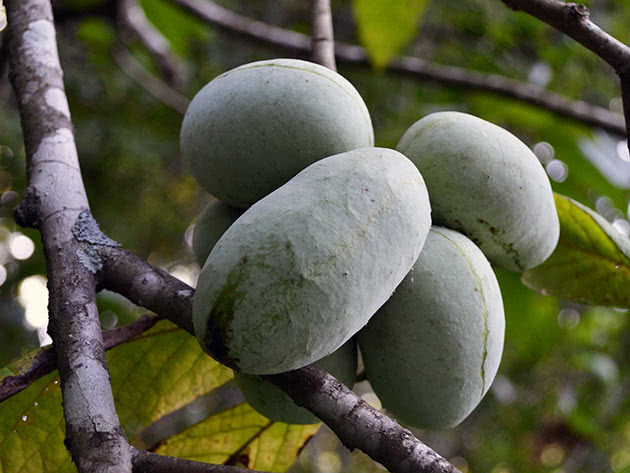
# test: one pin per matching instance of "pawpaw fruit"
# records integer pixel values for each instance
(304, 268)
(432, 351)
(251, 129)
(487, 184)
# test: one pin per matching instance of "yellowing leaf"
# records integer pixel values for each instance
(159, 372)
(385, 26)
(591, 263)
(241, 435)
(152, 376)
(32, 430)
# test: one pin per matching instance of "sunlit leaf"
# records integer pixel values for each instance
(385, 26)
(31, 430)
(152, 375)
(241, 435)
(591, 263)
(161, 371)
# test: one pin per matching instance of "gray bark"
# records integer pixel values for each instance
(54, 200)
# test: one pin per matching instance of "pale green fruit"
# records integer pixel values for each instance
(432, 351)
(303, 269)
(273, 403)
(487, 184)
(212, 222)
(253, 128)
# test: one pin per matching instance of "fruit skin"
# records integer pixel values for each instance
(213, 221)
(270, 401)
(432, 351)
(487, 184)
(304, 269)
(253, 128)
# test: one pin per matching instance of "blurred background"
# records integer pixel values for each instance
(560, 402)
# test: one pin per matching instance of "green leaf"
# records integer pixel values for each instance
(152, 375)
(385, 26)
(241, 435)
(31, 430)
(591, 263)
(159, 372)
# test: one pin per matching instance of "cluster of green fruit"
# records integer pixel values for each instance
(337, 240)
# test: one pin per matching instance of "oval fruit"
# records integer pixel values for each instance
(303, 269)
(273, 403)
(253, 128)
(432, 351)
(212, 222)
(487, 184)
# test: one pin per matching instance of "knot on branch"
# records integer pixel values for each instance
(578, 11)
(27, 213)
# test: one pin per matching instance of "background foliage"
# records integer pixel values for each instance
(561, 400)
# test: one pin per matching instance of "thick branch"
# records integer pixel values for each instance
(45, 362)
(322, 39)
(134, 22)
(55, 200)
(299, 44)
(148, 286)
(147, 462)
(357, 424)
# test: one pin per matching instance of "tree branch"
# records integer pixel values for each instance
(322, 39)
(299, 44)
(45, 362)
(152, 84)
(573, 19)
(147, 286)
(133, 22)
(55, 201)
(148, 462)
(357, 424)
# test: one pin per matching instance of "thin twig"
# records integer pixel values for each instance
(573, 19)
(152, 84)
(45, 362)
(298, 44)
(322, 38)
(148, 462)
(133, 22)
